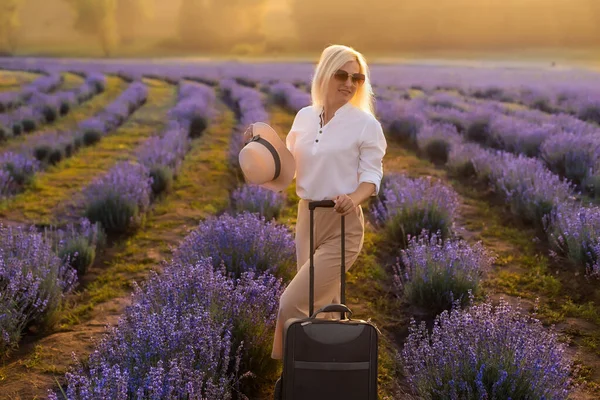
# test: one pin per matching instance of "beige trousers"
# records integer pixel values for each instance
(327, 263)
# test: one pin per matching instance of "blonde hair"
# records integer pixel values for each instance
(332, 59)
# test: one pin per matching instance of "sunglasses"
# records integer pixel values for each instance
(342, 76)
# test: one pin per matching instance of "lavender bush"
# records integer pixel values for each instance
(256, 199)
(119, 199)
(287, 95)
(249, 107)
(574, 156)
(195, 107)
(433, 273)
(574, 233)
(20, 168)
(411, 205)
(529, 187)
(246, 242)
(32, 282)
(463, 157)
(435, 141)
(189, 333)
(77, 243)
(162, 155)
(486, 352)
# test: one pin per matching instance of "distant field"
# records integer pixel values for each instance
(500, 156)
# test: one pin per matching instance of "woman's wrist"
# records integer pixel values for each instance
(362, 193)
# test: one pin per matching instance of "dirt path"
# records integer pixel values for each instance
(201, 189)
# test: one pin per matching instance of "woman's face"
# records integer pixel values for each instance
(340, 92)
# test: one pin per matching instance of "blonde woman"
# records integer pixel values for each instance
(338, 146)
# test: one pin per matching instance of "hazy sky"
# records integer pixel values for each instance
(446, 22)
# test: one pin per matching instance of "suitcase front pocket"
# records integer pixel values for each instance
(330, 380)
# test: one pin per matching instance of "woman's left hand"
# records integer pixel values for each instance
(344, 204)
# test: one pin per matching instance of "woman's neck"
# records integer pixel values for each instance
(329, 111)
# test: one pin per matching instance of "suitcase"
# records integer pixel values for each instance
(328, 359)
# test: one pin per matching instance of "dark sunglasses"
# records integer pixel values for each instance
(342, 76)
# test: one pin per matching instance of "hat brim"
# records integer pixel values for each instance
(288, 163)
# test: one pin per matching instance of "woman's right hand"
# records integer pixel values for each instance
(248, 134)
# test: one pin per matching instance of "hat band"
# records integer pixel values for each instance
(270, 147)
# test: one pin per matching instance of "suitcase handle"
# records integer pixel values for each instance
(321, 203)
(326, 204)
(341, 308)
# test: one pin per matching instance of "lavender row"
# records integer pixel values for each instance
(417, 217)
(481, 353)
(46, 108)
(486, 351)
(533, 192)
(289, 96)
(120, 199)
(43, 84)
(196, 329)
(20, 167)
(585, 106)
(32, 281)
(248, 105)
(568, 147)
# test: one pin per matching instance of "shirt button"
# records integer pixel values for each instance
(320, 131)
(317, 140)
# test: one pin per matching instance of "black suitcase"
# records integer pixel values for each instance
(328, 359)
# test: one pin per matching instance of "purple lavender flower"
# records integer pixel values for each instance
(119, 199)
(249, 107)
(256, 199)
(574, 156)
(433, 273)
(407, 206)
(288, 95)
(435, 141)
(574, 233)
(246, 242)
(189, 333)
(462, 158)
(32, 282)
(45, 83)
(486, 352)
(20, 167)
(530, 188)
(77, 244)
(195, 107)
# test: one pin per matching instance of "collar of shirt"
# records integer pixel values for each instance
(340, 110)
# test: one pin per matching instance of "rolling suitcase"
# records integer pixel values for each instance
(328, 359)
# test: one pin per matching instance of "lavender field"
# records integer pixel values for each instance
(135, 263)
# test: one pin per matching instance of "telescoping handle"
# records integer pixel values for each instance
(311, 206)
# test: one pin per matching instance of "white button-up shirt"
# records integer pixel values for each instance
(335, 159)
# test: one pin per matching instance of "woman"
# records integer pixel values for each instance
(339, 146)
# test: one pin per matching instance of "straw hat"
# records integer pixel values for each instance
(266, 161)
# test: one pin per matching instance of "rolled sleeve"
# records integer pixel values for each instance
(372, 150)
(290, 139)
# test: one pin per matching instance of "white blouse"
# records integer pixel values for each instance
(334, 160)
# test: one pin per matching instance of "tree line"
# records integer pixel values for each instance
(376, 25)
